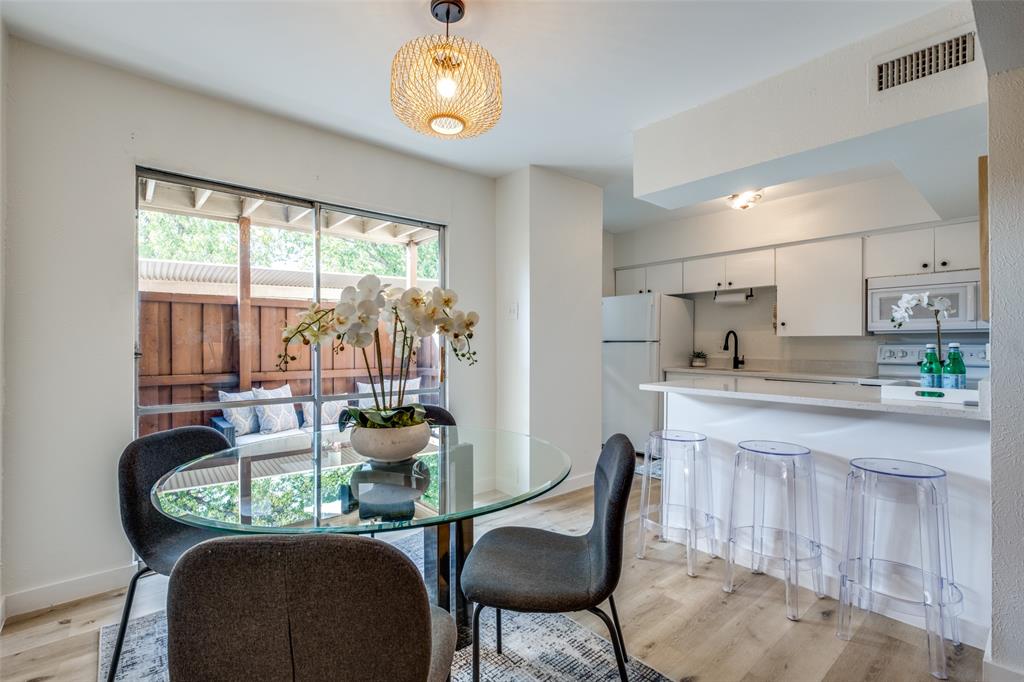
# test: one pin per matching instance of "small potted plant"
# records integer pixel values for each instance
(699, 359)
(392, 430)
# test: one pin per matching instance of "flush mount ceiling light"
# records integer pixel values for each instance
(745, 200)
(443, 85)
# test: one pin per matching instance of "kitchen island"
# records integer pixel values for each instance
(840, 422)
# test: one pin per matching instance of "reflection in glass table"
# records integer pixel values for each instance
(316, 483)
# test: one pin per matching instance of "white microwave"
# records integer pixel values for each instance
(960, 287)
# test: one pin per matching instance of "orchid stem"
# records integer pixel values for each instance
(394, 337)
(369, 372)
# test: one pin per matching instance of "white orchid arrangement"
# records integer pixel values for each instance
(940, 306)
(408, 314)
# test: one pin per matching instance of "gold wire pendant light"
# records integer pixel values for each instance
(443, 85)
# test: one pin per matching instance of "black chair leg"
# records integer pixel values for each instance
(618, 628)
(123, 627)
(497, 626)
(476, 641)
(615, 642)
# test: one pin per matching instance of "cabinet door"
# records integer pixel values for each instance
(957, 247)
(631, 281)
(666, 278)
(899, 253)
(754, 269)
(820, 288)
(704, 274)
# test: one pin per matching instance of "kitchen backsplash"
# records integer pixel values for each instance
(764, 350)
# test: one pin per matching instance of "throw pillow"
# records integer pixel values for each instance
(329, 413)
(275, 418)
(411, 384)
(244, 419)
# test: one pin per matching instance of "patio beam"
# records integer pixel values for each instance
(379, 226)
(431, 234)
(296, 213)
(245, 326)
(249, 205)
(403, 230)
(199, 197)
(340, 221)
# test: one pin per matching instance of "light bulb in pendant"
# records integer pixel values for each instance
(446, 87)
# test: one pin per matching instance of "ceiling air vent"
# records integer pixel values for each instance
(925, 62)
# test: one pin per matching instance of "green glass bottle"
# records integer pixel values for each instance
(931, 368)
(954, 372)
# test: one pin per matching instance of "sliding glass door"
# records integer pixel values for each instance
(222, 270)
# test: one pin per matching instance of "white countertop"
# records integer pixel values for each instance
(766, 374)
(845, 395)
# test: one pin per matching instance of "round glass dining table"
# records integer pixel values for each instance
(315, 482)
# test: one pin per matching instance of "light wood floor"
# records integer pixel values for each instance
(687, 628)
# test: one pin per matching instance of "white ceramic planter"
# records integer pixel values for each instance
(390, 445)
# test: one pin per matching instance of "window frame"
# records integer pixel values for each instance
(318, 208)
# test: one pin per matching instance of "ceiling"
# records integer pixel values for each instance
(578, 76)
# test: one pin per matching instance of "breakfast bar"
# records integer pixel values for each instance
(840, 422)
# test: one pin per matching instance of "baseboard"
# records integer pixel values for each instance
(571, 484)
(994, 672)
(46, 596)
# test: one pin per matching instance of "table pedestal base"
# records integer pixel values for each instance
(445, 548)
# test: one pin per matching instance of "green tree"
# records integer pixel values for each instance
(428, 260)
(166, 236)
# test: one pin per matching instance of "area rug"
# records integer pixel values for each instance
(535, 647)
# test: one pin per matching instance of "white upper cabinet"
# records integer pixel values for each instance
(820, 288)
(899, 253)
(950, 247)
(704, 274)
(736, 271)
(752, 269)
(957, 247)
(666, 278)
(631, 281)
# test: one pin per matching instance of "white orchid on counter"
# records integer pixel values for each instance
(940, 306)
(408, 314)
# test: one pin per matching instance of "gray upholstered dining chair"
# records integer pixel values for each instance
(533, 570)
(158, 541)
(303, 607)
(438, 416)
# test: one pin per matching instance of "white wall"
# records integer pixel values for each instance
(814, 105)
(565, 318)
(549, 307)
(512, 286)
(1006, 218)
(79, 129)
(3, 288)
(607, 264)
(875, 204)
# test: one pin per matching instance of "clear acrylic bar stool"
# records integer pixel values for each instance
(790, 469)
(877, 490)
(686, 509)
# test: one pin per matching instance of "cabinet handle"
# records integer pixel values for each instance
(648, 291)
(719, 284)
(944, 263)
(924, 265)
(782, 323)
(730, 283)
(640, 291)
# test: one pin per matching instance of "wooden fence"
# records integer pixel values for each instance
(193, 346)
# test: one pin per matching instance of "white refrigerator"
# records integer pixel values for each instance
(642, 335)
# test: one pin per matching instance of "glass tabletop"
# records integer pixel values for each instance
(316, 483)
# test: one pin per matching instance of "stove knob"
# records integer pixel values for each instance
(903, 354)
